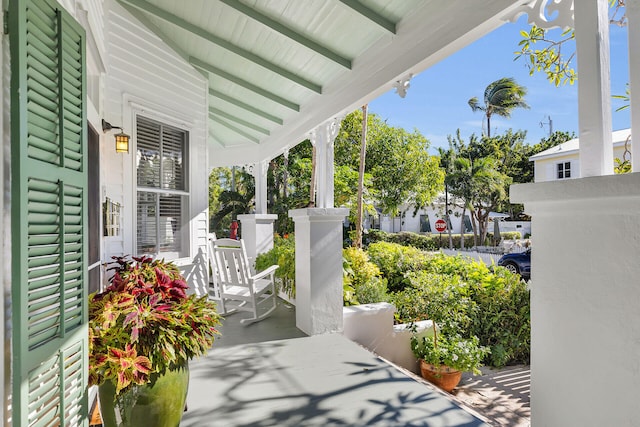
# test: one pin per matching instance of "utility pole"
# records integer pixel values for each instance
(363, 151)
(548, 123)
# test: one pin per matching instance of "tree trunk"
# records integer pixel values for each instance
(272, 194)
(446, 215)
(312, 189)
(285, 177)
(474, 225)
(488, 125)
(464, 210)
(363, 151)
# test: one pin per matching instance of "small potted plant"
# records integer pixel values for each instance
(444, 356)
(143, 329)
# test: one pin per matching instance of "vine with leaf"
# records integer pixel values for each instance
(554, 56)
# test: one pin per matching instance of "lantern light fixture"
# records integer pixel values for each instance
(122, 139)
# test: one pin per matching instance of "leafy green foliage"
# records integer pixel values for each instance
(288, 184)
(226, 203)
(501, 97)
(395, 261)
(548, 59)
(440, 297)
(362, 279)
(426, 242)
(397, 162)
(452, 350)
(144, 323)
(283, 254)
(552, 52)
(471, 300)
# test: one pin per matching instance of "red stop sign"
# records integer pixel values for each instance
(441, 226)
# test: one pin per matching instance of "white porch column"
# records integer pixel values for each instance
(585, 321)
(257, 233)
(318, 234)
(632, 9)
(594, 88)
(259, 172)
(323, 138)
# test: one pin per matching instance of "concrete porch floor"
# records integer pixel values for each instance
(271, 374)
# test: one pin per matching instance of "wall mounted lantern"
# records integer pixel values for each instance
(122, 139)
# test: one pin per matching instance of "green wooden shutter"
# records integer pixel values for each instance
(48, 202)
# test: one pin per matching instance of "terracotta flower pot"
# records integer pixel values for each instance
(442, 376)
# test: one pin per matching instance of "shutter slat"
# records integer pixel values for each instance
(38, 251)
(44, 281)
(40, 261)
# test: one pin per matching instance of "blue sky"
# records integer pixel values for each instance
(437, 102)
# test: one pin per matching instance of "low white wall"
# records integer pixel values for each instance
(371, 325)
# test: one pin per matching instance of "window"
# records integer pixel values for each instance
(564, 170)
(425, 225)
(162, 195)
(468, 228)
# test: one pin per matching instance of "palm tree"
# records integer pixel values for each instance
(500, 97)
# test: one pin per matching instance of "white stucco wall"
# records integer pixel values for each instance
(585, 338)
(412, 223)
(145, 76)
(371, 326)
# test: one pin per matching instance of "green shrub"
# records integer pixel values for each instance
(442, 298)
(432, 241)
(284, 255)
(362, 280)
(494, 306)
(395, 261)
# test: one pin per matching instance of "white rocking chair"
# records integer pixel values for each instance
(236, 288)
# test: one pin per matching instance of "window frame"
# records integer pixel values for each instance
(184, 194)
(563, 170)
(426, 221)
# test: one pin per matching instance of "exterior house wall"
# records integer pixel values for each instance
(412, 223)
(545, 162)
(145, 76)
(546, 169)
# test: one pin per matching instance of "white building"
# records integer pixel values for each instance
(563, 161)
(423, 221)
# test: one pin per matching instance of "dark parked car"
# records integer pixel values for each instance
(518, 263)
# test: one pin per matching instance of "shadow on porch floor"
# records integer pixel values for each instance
(271, 374)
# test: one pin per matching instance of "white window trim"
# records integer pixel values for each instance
(133, 106)
(565, 169)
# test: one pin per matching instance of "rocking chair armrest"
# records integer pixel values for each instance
(265, 272)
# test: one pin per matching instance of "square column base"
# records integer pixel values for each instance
(257, 233)
(319, 269)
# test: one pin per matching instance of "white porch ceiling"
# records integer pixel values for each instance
(279, 68)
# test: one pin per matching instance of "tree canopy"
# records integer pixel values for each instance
(501, 97)
(401, 169)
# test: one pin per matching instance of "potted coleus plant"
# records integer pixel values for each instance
(444, 356)
(143, 330)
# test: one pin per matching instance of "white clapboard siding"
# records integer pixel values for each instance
(145, 75)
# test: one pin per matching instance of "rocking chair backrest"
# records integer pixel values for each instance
(232, 263)
(234, 287)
